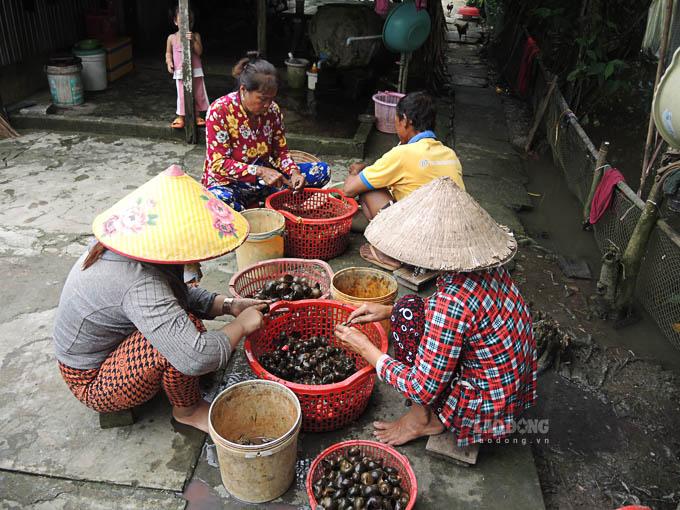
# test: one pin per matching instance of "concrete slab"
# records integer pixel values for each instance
(469, 81)
(47, 431)
(22, 491)
(504, 476)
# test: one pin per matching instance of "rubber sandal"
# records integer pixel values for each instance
(200, 122)
(375, 259)
(178, 123)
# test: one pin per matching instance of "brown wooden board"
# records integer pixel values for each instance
(405, 277)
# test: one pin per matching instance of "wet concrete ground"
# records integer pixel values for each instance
(52, 452)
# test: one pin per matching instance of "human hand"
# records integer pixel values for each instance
(370, 312)
(171, 68)
(352, 338)
(190, 35)
(250, 320)
(270, 176)
(239, 305)
(356, 168)
(297, 181)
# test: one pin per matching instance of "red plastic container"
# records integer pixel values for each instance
(317, 224)
(388, 455)
(468, 12)
(329, 406)
(245, 283)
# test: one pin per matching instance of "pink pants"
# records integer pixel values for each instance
(201, 102)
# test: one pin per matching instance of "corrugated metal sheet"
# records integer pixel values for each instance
(33, 27)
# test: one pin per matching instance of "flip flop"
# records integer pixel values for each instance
(178, 123)
(200, 121)
(375, 258)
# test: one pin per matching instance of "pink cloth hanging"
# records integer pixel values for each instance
(604, 194)
(381, 7)
(421, 4)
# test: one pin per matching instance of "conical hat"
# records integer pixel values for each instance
(171, 219)
(441, 227)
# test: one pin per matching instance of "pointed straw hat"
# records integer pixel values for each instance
(171, 219)
(441, 227)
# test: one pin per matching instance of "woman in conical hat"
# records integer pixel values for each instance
(127, 325)
(465, 357)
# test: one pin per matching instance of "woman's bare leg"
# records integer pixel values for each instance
(419, 421)
(195, 416)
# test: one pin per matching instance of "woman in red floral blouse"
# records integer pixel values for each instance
(247, 156)
(465, 357)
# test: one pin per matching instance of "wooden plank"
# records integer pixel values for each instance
(444, 445)
(405, 276)
(262, 27)
(187, 74)
(540, 113)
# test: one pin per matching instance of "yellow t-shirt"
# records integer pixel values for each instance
(407, 167)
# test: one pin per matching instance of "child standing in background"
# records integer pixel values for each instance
(173, 59)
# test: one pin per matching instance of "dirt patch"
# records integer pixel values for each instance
(613, 416)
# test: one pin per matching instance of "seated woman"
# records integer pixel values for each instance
(127, 325)
(247, 156)
(466, 357)
(418, 159)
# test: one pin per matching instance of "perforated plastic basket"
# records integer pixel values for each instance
(329, 406)
(247, 282)
(317, 223)
(378, 451)
(386, 110)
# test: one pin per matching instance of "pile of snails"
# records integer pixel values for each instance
(356, 482)
(310, 361)
(289, 288)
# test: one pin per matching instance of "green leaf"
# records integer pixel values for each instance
(595, 69)
(591, 55)
(203, 197)
(609, 69)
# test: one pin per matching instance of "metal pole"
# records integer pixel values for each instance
(187, 73)
(659, 70)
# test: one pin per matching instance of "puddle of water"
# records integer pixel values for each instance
(558, 213)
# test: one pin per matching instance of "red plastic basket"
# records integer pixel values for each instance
(245, 283)
(317, 223)
(329, 406)
(388, 455)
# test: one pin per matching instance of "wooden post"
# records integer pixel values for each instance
(540, 113)
(637, 245)
(187, 74)
(262, 27)
(659, 70)
(597, 176)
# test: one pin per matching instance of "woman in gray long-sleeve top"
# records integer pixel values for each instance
(126, 326)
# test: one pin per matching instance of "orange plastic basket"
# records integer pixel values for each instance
(329, 406)
(317, 223)
(245, 283)
(378, 451)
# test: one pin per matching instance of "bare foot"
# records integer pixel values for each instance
(196, 416)
(419, 421)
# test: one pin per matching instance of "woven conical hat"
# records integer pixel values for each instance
(171, 219)
(441, 227)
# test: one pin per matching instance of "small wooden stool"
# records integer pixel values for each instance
(444, 445)
(117, 419)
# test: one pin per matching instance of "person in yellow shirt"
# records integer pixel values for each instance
(418, 159)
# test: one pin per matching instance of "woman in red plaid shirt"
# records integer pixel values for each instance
(466, 356)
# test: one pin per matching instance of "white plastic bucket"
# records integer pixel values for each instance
(66, 85)
(257, 408)
(94, 68)
(311, 80)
